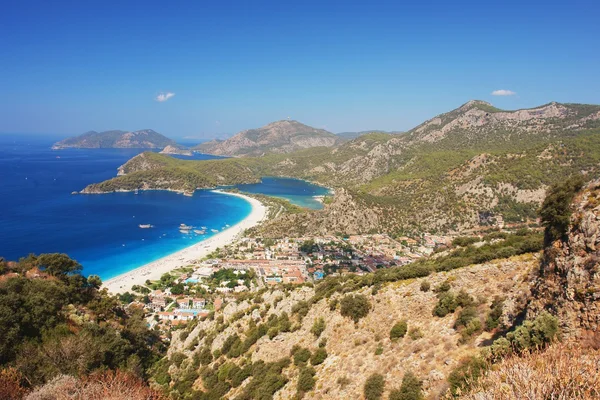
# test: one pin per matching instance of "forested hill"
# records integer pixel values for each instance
(459, 170)
(142, 139)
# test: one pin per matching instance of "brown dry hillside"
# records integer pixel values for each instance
(431, 348)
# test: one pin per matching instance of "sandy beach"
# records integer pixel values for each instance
(156, 269)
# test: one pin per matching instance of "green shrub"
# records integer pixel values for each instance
(555, 212)
(301, 356)
(398, 330)
(411, 388)
(318, 356)
(425, 286)
(466, 374)
(177, 358)
(318, 326)
(465, 316)
(306, 380)
(534, 334)
(379, 350)
(354, 307)
(493, 319)
(464, 299)
(374, 385)
(443, 287)
(273, 332)
(446, 304)
(205, 356)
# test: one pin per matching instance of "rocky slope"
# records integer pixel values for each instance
(142, 139)
(354, 351)
(277, 137)
(569, 281)
(170, 149)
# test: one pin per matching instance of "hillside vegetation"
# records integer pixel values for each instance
(54, 323)
(458, 171)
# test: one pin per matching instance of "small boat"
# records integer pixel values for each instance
(214, 230)
(146, 226)
(203, 228)
(199, 232)
(184, 227)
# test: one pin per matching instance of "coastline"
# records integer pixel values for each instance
(154, 270)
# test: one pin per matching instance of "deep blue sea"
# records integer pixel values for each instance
(39, 214)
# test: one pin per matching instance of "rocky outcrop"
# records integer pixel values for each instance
(569, 281)
(176, 150)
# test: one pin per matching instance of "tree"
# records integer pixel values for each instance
(306, 380)
(411, 388)
(354, 307)
(555, 212)
(398, 330)
(58, 264)
(374, 386)
(94, 281)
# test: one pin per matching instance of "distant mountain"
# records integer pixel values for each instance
(178, 150)
(143, 139)
(354, 135)
(277, 137)
(469, 168)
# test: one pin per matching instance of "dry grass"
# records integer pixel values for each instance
(100, 386)
(563, 371)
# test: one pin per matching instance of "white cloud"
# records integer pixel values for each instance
(164, 96)
(503, 92)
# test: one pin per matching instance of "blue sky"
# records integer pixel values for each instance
(69, 67)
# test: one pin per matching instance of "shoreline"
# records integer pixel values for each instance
(154, 270)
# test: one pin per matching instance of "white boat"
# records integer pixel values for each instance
(146, 226)
(199, 232)
(214, 230)
(184, 227)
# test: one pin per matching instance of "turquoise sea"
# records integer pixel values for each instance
(39, 214)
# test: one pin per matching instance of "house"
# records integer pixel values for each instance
(183, 303)
(198, 304)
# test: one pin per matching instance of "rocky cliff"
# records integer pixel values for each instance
(569, 281)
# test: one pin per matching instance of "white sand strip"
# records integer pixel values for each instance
(156, 269)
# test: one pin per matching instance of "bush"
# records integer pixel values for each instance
(379, 350)
(398, 330)
(445, 305)
(301, 356)
(443, 287)
(425, 286)
(354, 307)
(465, 316)
(536, 334)
(464, 299)
(374, 386)
(466, 374)
(318, 327)
(411, 388)
(318, 356)
(493, 319)
(306, 380)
